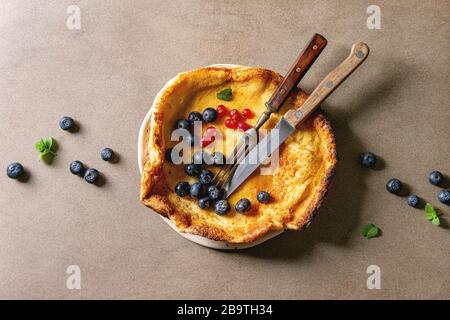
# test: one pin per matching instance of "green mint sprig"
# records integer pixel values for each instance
(46, 148)
(225, 94)
(432, 215)
(370, 231)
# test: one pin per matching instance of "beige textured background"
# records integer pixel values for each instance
(106, 76)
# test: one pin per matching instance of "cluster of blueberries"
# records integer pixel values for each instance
(209, 115)
(368, 160)
(16, 171)
(204, 190)
(91, 175)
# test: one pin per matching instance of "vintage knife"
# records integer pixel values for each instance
(293, 117)
(295, 74)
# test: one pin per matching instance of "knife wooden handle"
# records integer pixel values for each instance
(296, 72)
(358, 54)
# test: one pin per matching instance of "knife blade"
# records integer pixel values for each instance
(268, 145)
(295, 116)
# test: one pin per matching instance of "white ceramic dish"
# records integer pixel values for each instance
(197, 239)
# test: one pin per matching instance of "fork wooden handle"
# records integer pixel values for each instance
(358, 54)
(296, 72)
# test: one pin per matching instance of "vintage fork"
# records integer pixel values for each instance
(293, 77)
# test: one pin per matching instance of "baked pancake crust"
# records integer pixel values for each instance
(307, 159)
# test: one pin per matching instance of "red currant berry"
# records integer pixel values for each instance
(247, 113)
(243, 126)
(236, 117)
(222, 110)
(211, 130)
(230, 123)
(235, 113)
(206, 141)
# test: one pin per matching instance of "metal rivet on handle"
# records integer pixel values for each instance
(298, 114)
(359, 54)
(314, 47)
(329, 84)
(298, 69)
(283, 90)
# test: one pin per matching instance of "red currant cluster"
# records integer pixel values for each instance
(236, 120)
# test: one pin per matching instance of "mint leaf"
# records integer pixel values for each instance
(49, 143)
(225, 94)
(370, 231)
(40, 145)
(430, 215)
(429, 208)
(436, 221)
(47, 157)
(366, 229)
(373, 233)
(46, 148)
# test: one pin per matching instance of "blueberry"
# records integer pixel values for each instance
(66, 123)
(107, 154)
(192, 170)
(393, 185)
(196, 190)
(77, 167)
(263, 197)
(91, 175)
(218, 158)
(209, 115)
(200, 157)
(368, 159)
(444, 196)
(183, 124)
(214, 193)
(204, 203)
(435, 177)
(14, 170)
(243, 205)
(221, 207)
(182, 188)
(206, 177)
(194, 116)
(413, 200)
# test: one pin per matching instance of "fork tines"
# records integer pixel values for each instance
(224, 175)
